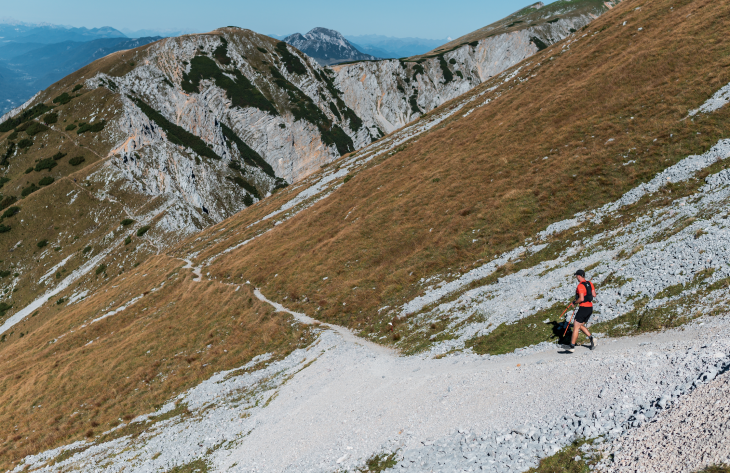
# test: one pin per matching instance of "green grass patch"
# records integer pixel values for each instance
(196, 466)
(716, 469)
(525, 332)
(565, 461)
(381, 462)
(677, 289)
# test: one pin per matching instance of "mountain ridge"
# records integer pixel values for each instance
(327, 46)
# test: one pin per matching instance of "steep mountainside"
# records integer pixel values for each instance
(455, 235)
(390, 94)
(327, 47)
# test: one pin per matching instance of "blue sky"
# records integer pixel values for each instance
(399, 18)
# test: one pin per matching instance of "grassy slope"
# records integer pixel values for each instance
(616, 83)
(67, 379)
(522, 19)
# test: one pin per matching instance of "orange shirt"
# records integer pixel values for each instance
(582, 292)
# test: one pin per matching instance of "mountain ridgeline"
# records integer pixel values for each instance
(327, 47)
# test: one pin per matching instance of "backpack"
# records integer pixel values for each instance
(589, 292)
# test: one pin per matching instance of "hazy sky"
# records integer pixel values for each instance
(400, 18)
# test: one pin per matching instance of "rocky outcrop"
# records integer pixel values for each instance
(389, 94)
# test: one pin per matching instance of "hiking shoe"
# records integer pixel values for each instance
(569, 348)
(593, 343)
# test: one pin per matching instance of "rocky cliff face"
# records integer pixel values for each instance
(327, 47)
(389, 94)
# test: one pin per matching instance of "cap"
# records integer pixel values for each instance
(580, 273)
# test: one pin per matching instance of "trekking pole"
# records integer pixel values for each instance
(566, 310)
(571, 320)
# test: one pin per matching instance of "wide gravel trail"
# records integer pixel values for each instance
(354, 401)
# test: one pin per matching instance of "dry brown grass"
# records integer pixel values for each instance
(616, 83)
(57, 388)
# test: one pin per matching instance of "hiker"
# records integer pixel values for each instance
(584, 294)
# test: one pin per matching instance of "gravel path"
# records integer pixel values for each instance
(694, 435)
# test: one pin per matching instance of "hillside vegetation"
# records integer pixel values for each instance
(563, 133)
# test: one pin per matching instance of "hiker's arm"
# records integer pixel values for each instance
(580, 298)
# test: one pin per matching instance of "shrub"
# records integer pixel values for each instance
(128, 240)
(250, 157)
(127, 222)
(25, 143)
(12, 211)
(240, 91)
(4, 273)
(539, 43)
(58, 156)
(13, 135)
(452, 61)
(62, 99)
(50, 118)
(143, 230)
(42, 243)
(29, 170)
(4, 228)
(46, 181)
(245, 185)
(347, 178)
(60, 301)
(48, 163)
(234, 165)
(29, 190)
(262, 50)
(76, 161)
(4, 307)
(28, 114)
(291, 61)
(248, 200)
(3, 180)
(100, 269)
(58, 275)
(176, 134)
(70, 127)
(417, 69)
(8, 152)
(86, 250)
(95, 128)
(221, 52)
(458, 73)
(77, 87)
(448, 76)
(8, 201)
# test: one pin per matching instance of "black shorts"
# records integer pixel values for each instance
(583, 314)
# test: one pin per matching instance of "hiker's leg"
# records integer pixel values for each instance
(576, 328)
(585, 330)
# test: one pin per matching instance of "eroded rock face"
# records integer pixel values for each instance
(389, 94)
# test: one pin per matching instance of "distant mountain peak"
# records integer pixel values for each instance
(327, 46)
